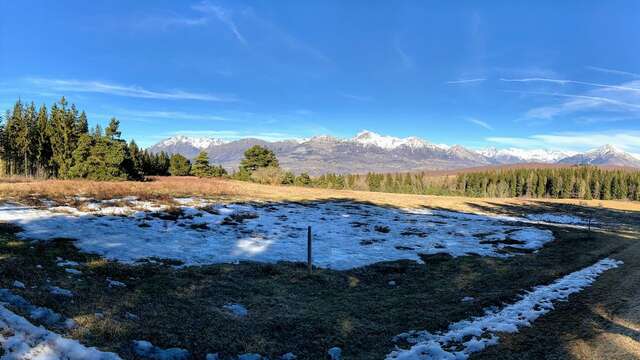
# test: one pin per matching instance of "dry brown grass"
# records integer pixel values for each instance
(163, 188)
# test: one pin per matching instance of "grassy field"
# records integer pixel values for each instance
(169, 187)
(357, 310)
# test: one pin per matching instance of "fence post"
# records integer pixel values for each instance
(309, 252)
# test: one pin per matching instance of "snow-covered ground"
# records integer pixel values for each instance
(22, 340)
(346, 234)
(469, 336)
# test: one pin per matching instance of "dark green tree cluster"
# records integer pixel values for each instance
(408, 183)
(57, 142)
(261, 165)
(578, 182)
(202, 168)
(179, 165)
(148, 163)
(256, 157)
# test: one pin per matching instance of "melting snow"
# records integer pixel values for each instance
(237, 309)
(22, 340)
(468, 336)
(147, 350)
(60, 291)
(558, 219)
(346, 234)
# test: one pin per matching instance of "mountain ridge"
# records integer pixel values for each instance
(372, 152)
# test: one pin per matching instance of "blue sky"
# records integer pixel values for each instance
(562, 75)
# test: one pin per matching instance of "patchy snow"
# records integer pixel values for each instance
(237, 309)
(66, 263)
(250, 356)
(346, 234)
(558, 219)
(73, 271)
(22, 340)
(60, 291)
(37, 313)
(147, 350)
(468, 336)
(335, 353)
(115, 283)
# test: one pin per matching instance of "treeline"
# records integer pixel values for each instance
(56, 142)
(420, 183)
(576, 182)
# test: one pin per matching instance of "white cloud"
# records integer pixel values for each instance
(601, 98)
(480, 123)
(123, 90)
(235, 135)
(576, 141)
(223, 15)
(613, 71)
(360, 98)
(578, 103)
(565, 82)
(168, 115)
(465, 81)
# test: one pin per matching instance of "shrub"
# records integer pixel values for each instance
(268, 175)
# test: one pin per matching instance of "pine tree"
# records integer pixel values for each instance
(179, 165)
(200, 167)
(112, 131)
(258, 157)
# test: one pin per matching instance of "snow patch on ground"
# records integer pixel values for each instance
(22, 340)
(55, 290)
(468, 336)
(237, 309)
(37, 313)
(147, 350)
(346, 234)
(558, 219)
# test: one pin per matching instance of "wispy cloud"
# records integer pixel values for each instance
(578, 141)
(465, 81)
(233, 134)
(223, 15)
(565, 82)
(576, 103)
(123, 90)
(480, 123)
(360, 98)
(406, 60)
(168, 115)
(613, 71)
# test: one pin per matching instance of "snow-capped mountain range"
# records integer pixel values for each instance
(369, 151)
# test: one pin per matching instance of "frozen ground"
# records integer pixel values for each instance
(469, 336)
(346, 234)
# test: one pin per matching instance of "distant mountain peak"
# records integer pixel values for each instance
(370, 138)
(197, 142)
(526, 155)
(606, 149)
(604, 155)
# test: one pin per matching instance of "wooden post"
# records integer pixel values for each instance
(309, 253)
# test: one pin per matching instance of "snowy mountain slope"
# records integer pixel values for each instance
(512, 155)
(604, 155)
